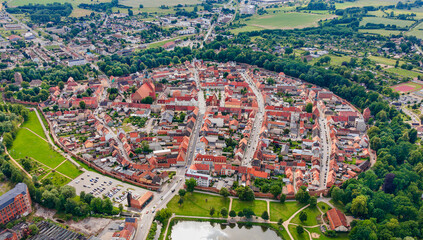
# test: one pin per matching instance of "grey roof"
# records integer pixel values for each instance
(7, 198)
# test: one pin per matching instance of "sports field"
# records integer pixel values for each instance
(288, 20)
(407, 87)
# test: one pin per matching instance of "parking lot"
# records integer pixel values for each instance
(100, 185)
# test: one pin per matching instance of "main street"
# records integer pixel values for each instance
(258, 122)
(169, 190)
(326, 147)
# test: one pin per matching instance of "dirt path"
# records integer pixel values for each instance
(16, 163)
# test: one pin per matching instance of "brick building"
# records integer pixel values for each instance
(15, 203)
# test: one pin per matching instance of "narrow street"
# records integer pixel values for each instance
(258, 122)
(326, 148)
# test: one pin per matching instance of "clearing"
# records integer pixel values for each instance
(198, 204)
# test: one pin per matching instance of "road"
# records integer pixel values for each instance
(258, 122)
(326, 147)
(161, 198)
(414, 117)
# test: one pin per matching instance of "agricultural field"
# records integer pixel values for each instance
(198, 204)
(157, 3)
(382, 32)
(404, 72)
(386, 21)
(417, 31)
(385, 61)
(288, 20)
(362, 3)
(407, 87)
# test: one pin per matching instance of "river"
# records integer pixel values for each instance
(191, 230)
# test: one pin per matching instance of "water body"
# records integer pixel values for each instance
(191, 230)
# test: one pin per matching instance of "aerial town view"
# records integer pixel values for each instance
(211, 119)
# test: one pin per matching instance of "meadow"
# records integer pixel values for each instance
(362, 3)
(198, 204)
(417, 31)
(386, 21)
(156, 3)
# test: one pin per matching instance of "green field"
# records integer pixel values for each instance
(417, 31)
(382, 32)
(385, 61)
(338, 205)
(58, 179)
(286, 20)
(361, 3)
(386, 21)
(34, 124)
(198, 204)
(283, 210)
(257, 206)
(312, 213)
(323, 206)
(69, 169)
(157, 3)
(334, 60)
(404, 72)
(293, 231)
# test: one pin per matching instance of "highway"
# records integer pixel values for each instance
(258, 122)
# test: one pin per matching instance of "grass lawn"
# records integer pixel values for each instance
(58, 179)
(247, 28)
(286, 20)
(34, 124)
(312, 213)
(417, 31)
(323, 206)
(28, 144)
(69, 170)
(386, 21)
(334, 60)
(385, 61)
(195, 204)
(293, 231)
(257, 206)
(382, 32)
(340, 236)
(338, 205)
(283, 210)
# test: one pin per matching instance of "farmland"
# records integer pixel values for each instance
(289, 20)
(386, 21)
(157, 3)
(417, 31)
(361, 3)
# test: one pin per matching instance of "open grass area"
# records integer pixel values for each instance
(198, 204)
(417, 31)
(312, 214)
(385, 61)
(288, 20)
(386, 21)
(58, 179)
(382, 32)
(338, 205)
(361, 3)
(69, 169)
(156, 3)
(404, 72)
(335, 60)
(323, 206)
(283, 210)
(33, 124)
(293, 230)
(247, 28)
(257, 206)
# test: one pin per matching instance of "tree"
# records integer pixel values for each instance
(240, 214)
(337, 194)
(120, 208)
(26, 164)
(212, 211)
(283, 198)
(303, 216)
(232, 213)
(162, 215)
(82, 105)
(302, 195)
(280, 221)
(265, 215)
(363, 230)
(309, 107)
(300, 229)
(191, 183)
(359, 206)
(245, 193)
(182, 192)
(248, 213)
(224, 212)
(33, 229)
(224, 192)
(180, 201)
(313, 201)
(275, 190)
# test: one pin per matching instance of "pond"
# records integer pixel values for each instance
(191, 230)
